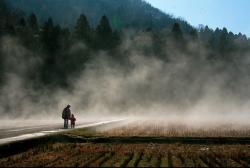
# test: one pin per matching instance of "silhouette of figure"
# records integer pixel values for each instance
(72, 121)
(66, 116)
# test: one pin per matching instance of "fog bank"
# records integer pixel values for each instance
(185, 88)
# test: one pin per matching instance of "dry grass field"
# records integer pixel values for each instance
(131, 155)
(160, 128)
(92, 150)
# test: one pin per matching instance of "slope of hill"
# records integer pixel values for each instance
(121, 13)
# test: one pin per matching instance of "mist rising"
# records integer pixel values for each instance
(183, 77)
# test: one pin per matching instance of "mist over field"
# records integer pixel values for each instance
(140, 77)
(187, 87)
(120, 83)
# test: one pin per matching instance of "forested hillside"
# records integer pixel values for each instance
(128, 13)
(164, 62)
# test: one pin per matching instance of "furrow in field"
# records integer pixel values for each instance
(124, 162)
(145, 160)
(176, 161)
(170, 161)
(186, 161)
(135, 160)
(101, 160)
(164, 161)
(199, 162)
(94, 158)
(106, 159)
(155, 161)
(208, 160)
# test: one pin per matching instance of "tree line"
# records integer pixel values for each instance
(54, 45)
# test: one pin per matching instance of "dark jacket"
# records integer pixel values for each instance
(66, 113)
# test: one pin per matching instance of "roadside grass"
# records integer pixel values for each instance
(85, 132)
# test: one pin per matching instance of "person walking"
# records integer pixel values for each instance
(72, 121)
(66, 114)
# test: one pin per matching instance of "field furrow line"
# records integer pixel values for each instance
(138, 159)
(164, 161)
(95, 158)
(125, 161)
(199, 162)
(170, 161)
(145, 160)
(105, 159)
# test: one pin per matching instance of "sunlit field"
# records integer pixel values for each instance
(161, 128)
(139, 143)
(131, 155)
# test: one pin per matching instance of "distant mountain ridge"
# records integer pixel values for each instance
(121, 13)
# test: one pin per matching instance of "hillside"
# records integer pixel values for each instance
(121, 13)
(173, 67)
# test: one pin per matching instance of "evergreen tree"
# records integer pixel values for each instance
(9, 28)
(104, 34)
(33, 23)
(206, 34)
(3, 7)
(193, 34)
(82, 29)
(21, 23)
(104, 29)
(49, 37)
(223, 42)
(177, 32)
(3, 16)
(22, 31)
(50, 40)
(32, 36)
(177, 36)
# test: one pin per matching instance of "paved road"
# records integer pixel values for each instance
(21, 133)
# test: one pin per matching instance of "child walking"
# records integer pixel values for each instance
(72, 121)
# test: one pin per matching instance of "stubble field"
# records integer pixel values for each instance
(140, 144)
